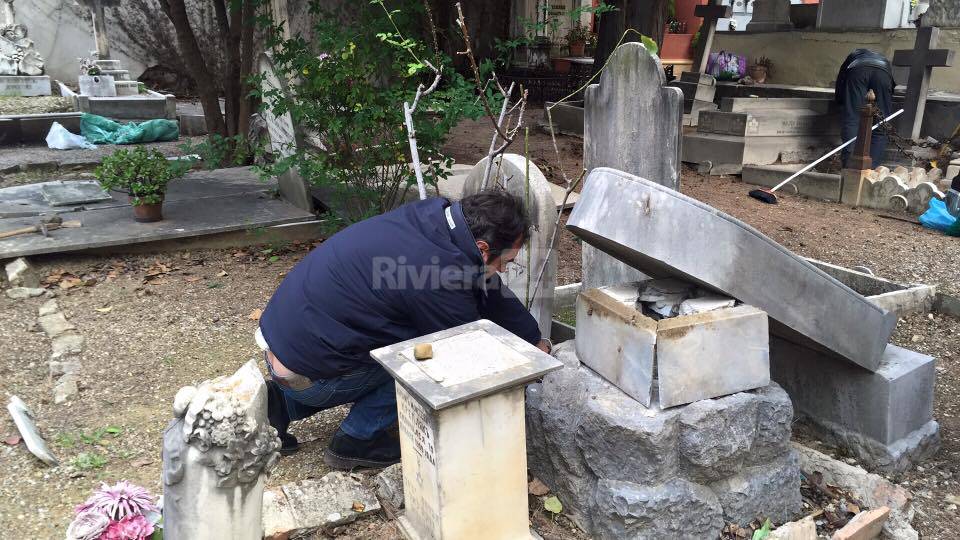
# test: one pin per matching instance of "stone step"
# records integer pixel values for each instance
(742, 104)
(117, 74)
(127, 88)
(738, 151)
(108, 64)
(816, 185)
(764, 123)
(692, 90)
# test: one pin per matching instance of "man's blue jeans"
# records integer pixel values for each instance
(371, 390)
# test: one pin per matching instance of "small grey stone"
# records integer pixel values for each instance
(717, 435)
(774, 421)
(67, 365)
(65, 387)
(19, 293)
(389, 484)
(48, 308)
(770, 491)
(677, 509)
(55, 324)
(21, 274)
(67, 343)
(335, 499)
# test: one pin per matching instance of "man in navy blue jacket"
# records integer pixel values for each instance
(424, 267)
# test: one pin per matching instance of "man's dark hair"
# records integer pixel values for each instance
(496, 217)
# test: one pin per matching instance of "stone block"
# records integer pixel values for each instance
(48, 308)
(694, 357)
(712, 354)
(816, 185)
(732, 149)
(192, 125)
(567, 117)
(766, 491)
(127, 88)
(125, 107)
(768, 123)
(751, 104)
(716, 435)
(65, 387)
(677, 509)
(335, 499)
(69, 365)
(67, 343)
(35, 127)
(389, 484)
(774, 424)
(55, 324)
(20, 273)
(22, 85)
(108, 64)
(617, 342)
(804, 529)
(19, 293)
(885, 418)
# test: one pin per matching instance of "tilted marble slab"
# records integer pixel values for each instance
(663, 233)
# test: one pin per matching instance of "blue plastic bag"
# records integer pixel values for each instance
(937, 217)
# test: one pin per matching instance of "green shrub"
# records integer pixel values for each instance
(143, 174)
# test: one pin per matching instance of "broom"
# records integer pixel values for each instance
(768, 196)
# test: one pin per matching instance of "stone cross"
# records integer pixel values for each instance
(710, 13)
(922, 59)
(216, 454)
(462, 431)
(632, 122)
(100, 26)
(510, 172)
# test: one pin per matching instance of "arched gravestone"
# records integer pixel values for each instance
(632, 122)
(508, 172)
(285, 137)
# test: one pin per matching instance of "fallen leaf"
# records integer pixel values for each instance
(12, 440)
(192, 279)
(358, 506)
(255, 314)
(538, 488)
(142, 462)
(70, 282)
(853, 508)
(90, 282)
(953, 499)
(160, 281)
(552, 505)
(106, 309)
(222, 273)
(239, 254)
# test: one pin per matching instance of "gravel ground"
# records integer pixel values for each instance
(146, 340)
(34, 105)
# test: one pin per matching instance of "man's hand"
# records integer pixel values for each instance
(545, 346)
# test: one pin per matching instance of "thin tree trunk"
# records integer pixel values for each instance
(246, 66)
(193, 59)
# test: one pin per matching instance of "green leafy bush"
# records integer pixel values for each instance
(143, 174)
(347, 89)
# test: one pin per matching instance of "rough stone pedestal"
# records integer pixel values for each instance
(215, 456)
(885, 418)
(461, 415)
(623, 470)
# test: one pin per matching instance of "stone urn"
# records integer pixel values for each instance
(97, 86)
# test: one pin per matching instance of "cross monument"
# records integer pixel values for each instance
(710, 13)
(922, 59)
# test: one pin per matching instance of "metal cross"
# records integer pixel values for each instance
(922, 59)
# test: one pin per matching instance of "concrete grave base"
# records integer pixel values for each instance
(623, 470)
(816, 185)
(884, 418)
(23, 85)
(739, 151)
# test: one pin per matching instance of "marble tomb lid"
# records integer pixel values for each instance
(664, 233)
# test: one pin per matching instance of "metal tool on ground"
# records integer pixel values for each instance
(44, 226)
(769, 196)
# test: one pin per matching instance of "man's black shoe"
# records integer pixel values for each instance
(346, 452)
(277, 415)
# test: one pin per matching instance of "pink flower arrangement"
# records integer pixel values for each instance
(120, 512)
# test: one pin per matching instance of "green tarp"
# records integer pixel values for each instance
(100, 130)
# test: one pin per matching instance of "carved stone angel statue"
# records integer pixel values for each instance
(18, 55)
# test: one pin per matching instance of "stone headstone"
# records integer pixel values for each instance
(863, 14)
(770, 16)
(922, 59)
(632, 122)
(285, 138)
(510, 172)
(461, 416)
(666, 234)
(216, 454)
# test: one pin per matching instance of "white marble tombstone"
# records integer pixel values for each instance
(285, 138)
(632, 122)
(216, 454)
(462, 431)
(509, 172)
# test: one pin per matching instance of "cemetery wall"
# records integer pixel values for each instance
(62, 31)
(813, 58)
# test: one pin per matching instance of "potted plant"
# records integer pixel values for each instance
(761, 68)
(143, 175)
(577, 38)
